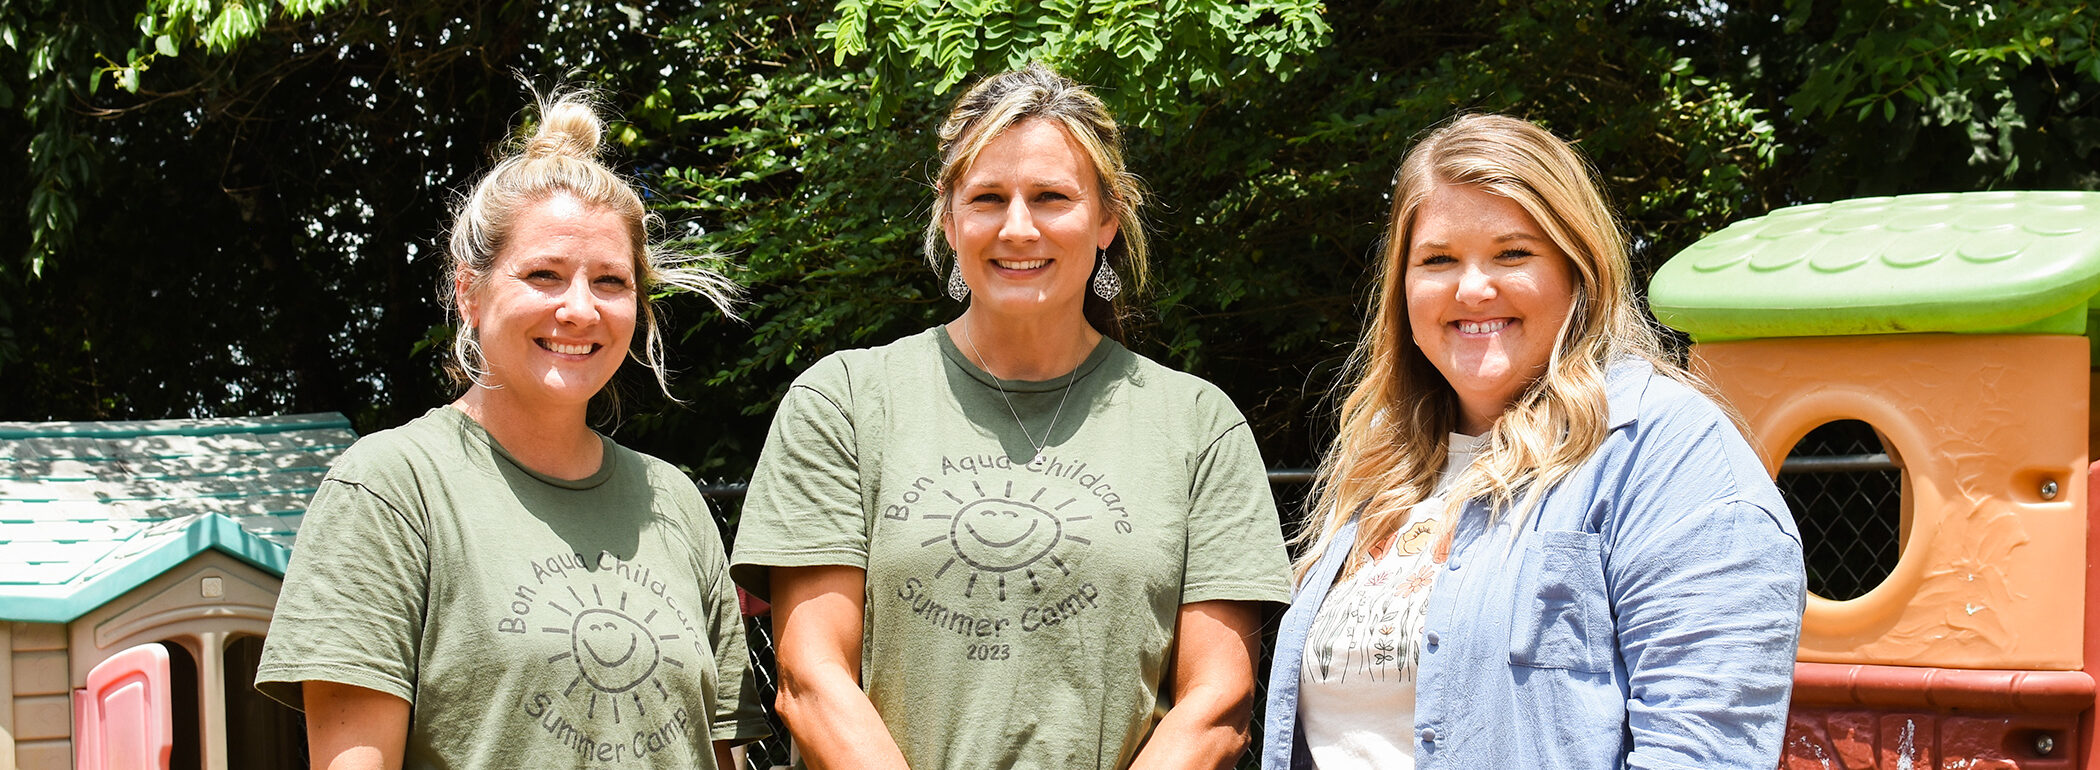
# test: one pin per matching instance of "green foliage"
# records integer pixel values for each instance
(69, 52)
(2005, 90)
(1146, 56)
(233, 206)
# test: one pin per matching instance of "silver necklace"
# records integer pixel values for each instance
(1047, 432)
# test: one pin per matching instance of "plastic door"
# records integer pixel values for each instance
(123, 719)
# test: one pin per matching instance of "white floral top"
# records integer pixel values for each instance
(1357, 682)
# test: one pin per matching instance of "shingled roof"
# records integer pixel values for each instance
(2004, 262)
(90, 510)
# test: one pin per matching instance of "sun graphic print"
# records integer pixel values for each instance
(614, 654)
(617, 655)
(983, 552)
(994, 537)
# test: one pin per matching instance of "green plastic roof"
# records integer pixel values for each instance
(1945, 262)
(91, 510)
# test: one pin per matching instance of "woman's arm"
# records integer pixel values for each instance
(354, 728)
(816, 631)
(1708, 616)
(1215, 647)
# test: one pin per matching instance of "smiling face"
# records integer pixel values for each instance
(1025, 221)
(612, 651)
(556, 312)
(999, 535)
(1487, 293)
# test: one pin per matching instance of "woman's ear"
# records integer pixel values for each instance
(463, 292)
(1107, 236)
(940, 199)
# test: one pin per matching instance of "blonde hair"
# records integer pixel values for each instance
(1400, 411)
(1002, 101)
(560, 157)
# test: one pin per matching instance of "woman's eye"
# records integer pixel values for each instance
(612, 282)
(542, 275)
(986, 198)
(1437, 259)
(1053, 196)
(1514, 254)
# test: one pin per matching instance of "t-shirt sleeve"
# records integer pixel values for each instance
(351, 608)
(803, 508)
(1235, 543)
(737, 715)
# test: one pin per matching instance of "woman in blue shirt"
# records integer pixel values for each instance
(1536, 541)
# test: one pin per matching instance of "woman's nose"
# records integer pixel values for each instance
(577, 305)
(1475, 286)
(1020, 222)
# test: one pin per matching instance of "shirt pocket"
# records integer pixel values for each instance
(1563, 619)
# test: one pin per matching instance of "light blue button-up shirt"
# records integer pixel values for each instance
(1646, 616)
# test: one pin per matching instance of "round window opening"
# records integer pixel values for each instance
(1845, 488)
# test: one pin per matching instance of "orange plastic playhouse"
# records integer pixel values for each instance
(1917, 372)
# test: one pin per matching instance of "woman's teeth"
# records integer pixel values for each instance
(1482, 327)
(1021, 265)
(569, 350)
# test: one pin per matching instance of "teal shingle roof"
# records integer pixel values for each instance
(1946, 262)
(90, 510)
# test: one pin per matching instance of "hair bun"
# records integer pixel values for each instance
(568, 127)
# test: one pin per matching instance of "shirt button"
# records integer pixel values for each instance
(1428, 735)
(1430, 637)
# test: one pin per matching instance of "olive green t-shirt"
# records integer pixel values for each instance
(530, 621)
(1018, 614)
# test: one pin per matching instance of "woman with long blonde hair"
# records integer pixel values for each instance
(1536, 541)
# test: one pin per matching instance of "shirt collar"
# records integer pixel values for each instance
(1625, 382)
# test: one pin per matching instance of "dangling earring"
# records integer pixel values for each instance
(957, 289)
(1106, 284)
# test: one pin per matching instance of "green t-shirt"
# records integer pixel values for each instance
(531, 621)
(1017, 614)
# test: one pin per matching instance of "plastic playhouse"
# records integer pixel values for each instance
(139, 567)
(1917, 372)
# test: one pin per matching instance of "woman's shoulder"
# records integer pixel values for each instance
(1648, 392)
(433, 439)
(843, 369)
(1173, 393)
(657, 472)
(1682, 436)
(1174, 383)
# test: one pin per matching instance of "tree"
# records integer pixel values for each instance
(237, 211)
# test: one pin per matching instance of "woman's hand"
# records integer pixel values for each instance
(816, 639)
(354, 728)
(1215, 647)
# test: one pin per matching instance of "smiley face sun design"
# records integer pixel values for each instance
(614, 654)
(995, 536)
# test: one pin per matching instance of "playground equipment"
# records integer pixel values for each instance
(1917, 372)
(139, 567)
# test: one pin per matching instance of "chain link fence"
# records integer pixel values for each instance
(1846, 493)
(771, 751)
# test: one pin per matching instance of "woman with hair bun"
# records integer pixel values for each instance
(1009, 541)
(1536, 541)
(495, 584)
